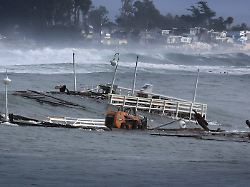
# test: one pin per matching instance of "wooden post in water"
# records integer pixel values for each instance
(114, 62)
(6, 82)
(74, 70)
(133, 89)
(195, 91)
(196, 85)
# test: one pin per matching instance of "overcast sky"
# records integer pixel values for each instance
(239, 9)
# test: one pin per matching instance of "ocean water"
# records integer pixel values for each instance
(64, 157)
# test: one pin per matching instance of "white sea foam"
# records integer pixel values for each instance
(9, 124)
(214, 123)
(232, 70)
(50, 61)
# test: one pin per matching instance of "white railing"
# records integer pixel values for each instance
(79, 122)
(94, 88)
(168, 106)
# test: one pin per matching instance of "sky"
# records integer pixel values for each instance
(238, 9)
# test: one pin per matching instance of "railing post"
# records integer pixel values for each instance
(190, 112)
(164, 107)
(150, 105)
(177, 109)
(137, 102)
(204, 112)
(124, 101)
(75, 122)
(202, 109)
(111, 99)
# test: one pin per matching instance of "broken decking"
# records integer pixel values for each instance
(43, 97)
(86, 123)
(203, 135)
(59, 122)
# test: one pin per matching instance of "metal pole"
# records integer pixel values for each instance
(133, 89)
(113, 81)
(74, 70)
(100, 33)
(6, 104)
(196, 85)
(6, 81)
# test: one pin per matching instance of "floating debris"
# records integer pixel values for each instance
(248, 123)
(42, 97)
(203, 135)
(59, 122)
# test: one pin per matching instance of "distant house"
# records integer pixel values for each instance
(179, 31)
(174, 40)
(152, 36)
(199, 34)
(165, 32)
(241, 37)
(186, 40)
(119, 37)
(106, 39)
(244, 36)
(195, 31)
(219, 37)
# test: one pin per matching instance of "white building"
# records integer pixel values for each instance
(186, 40)
(174, 39)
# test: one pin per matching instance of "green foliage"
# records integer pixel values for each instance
(143, 15)
(146, 15)
(139, 15)
(98, 18)
(125, 19)
(42, 13)
(241, 27)
(135, 16)
(201, 14)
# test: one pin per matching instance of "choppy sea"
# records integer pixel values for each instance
(64, 157)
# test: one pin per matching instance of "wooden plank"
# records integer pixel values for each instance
(48, 99)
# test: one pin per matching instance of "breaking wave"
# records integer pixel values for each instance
(57, 61)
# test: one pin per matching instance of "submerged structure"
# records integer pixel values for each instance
(147, 101)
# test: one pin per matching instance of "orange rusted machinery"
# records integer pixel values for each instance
(124, 119)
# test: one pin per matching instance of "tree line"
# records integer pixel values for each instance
(143, 15)
(77, 15)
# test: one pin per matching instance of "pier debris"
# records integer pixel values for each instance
(248, 123)
(59, 122)
(124, 119)
(85, 123)
(42, 97)
(62, 88)
(172, 107)
(200, 134)
(201, 121)
(171, 122)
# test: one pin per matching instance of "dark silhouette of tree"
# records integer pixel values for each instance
(229, 22)
(241, 27)
(42, 13)
(202, 15)
(41, 16)
(218, 24)
(146, 16)
(125, 19)
(98, 17)
(80, 6)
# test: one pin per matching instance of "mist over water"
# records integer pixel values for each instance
(58, 60)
